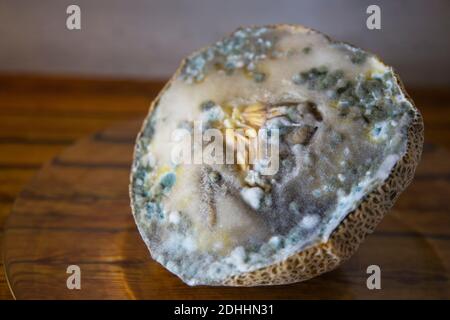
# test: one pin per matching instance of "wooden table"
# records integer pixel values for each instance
(42, 116)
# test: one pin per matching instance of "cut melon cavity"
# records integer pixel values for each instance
(349, 142)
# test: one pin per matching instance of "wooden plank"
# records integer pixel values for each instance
(32, 83)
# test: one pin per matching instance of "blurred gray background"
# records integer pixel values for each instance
(147, 39)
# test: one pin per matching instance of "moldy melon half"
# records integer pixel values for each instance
(349, 140)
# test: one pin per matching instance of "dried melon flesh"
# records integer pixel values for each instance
(341, 118)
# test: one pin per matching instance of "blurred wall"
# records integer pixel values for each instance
(148, 38)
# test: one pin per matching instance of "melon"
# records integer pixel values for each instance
(340, 141)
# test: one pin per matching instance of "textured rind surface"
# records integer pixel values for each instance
(351, 232)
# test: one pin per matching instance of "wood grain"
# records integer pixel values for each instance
(42, 115)
(76, 211)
